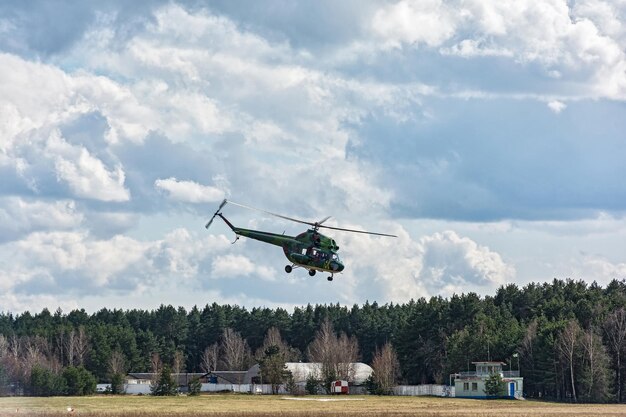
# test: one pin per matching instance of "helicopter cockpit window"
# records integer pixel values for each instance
(335, 257)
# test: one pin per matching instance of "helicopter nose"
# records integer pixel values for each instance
(337, 266)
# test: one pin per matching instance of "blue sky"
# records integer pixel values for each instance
(488, 135)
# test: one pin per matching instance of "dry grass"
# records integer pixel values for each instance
(281, 406)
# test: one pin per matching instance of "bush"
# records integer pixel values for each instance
(165, 384)
(117, 384)
(495, 386)
(194, 386)
(45, 383)
(78, 381)
(291, 386)
(374, 388)
(312, 385)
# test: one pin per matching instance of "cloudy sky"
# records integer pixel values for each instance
(488, 135)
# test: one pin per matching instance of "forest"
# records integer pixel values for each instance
(567, 338)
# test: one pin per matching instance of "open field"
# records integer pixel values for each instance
(309, 406)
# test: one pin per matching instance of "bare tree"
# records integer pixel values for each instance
(178, 363)
(210, 358)
(273, 338)
(346, 354)
(235, 351)
(590, 349)
(31, 356)
(322, 350)
(117, 363)
(12, 360)
(14, 346)
(4, 346)
(615, 330)
(386, 368)
(70, 347)
(155, 366)
(567, 343)
(60, 343)
(336, 355)
(596, 374)
(82, 345)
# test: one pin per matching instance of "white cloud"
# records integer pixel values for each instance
(21, 216)
(460, 260)
(231, 266)
(76, 263)
(86, 175)
(468, 48)
(582, 42)
(594, 267)
(183, 254)
(74, 251)
(189, 191)
(439, 264)
(557, 106)
(430, 22)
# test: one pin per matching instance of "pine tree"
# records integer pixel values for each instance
(495, 386)
(165, 384)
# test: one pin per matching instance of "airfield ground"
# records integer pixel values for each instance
(286, 406)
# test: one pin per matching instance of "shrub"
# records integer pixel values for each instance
(495, 386)
(194, 386)
(312, 385)
(78, 381)
(165, 384)
(45, 383)
(117, 384)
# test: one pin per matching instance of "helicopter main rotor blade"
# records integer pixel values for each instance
(273, 214)
(315, 225)
(357, 231)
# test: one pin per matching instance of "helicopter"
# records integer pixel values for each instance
(310, 249)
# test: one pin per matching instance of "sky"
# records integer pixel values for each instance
(488, 135)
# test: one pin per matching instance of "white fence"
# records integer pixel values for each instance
(137, 389)
(430, 389)
(243, 388)
(406, 390)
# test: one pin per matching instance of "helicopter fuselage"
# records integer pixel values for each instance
(310, 249)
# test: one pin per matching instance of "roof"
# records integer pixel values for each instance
(489, 363)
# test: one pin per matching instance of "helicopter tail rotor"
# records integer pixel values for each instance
(223, 203)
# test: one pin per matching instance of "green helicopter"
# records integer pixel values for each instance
(310, 250)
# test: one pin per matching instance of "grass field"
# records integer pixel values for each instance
(285, 406)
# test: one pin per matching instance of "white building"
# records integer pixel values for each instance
(472, 384)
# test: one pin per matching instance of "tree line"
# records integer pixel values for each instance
(566, 337)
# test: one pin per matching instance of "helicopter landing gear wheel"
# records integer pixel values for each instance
(288, 269)
(311, 272)
(330, 278)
